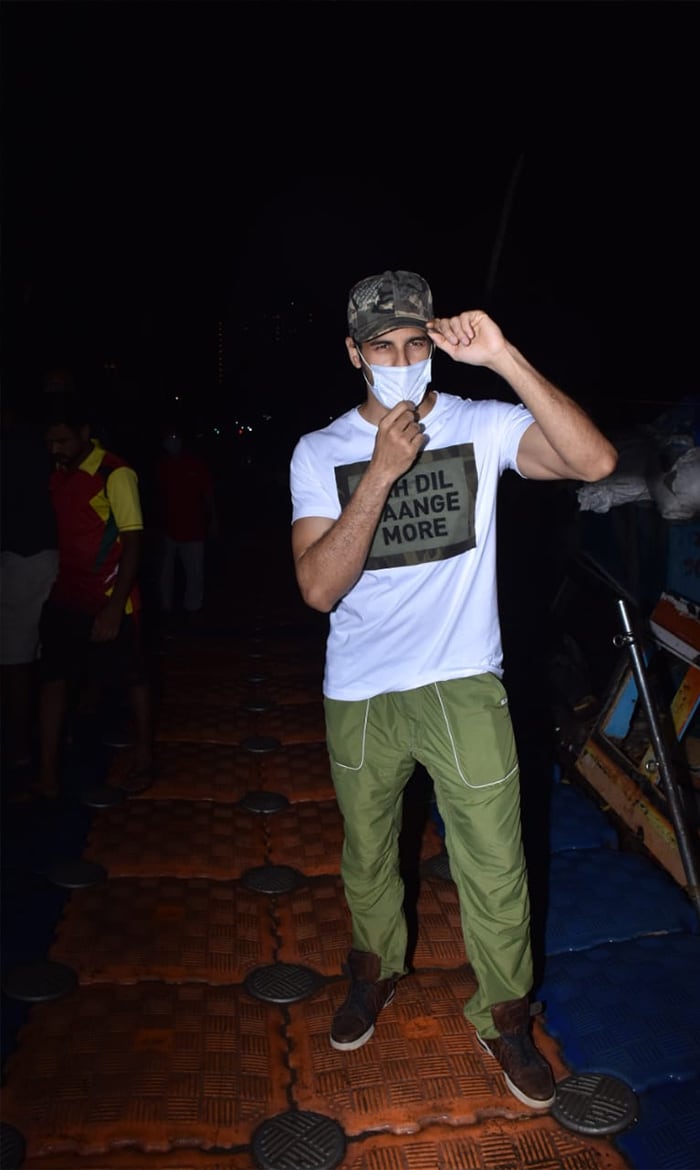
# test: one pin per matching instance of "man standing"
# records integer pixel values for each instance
(90, 624)
(394, 535)
(186, 509)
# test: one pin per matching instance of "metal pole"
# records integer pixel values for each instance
(686, 845)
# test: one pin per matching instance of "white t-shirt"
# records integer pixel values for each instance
(425, 608)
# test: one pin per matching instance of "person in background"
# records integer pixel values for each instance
(28, 566)
(185, 510)
(394, 536)
(90, 623)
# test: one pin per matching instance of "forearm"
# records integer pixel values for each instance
(328, 568)
(107, 621)
(583, 450)
(128, 570)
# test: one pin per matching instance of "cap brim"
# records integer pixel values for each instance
(370, 332)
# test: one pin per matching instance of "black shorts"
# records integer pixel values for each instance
(68, 653)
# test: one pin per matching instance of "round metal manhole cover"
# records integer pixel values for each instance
(261, 743)
(299, 1141)
(12, 1147)
(39, 982)
(438, 866)
(282, 983)
(272, 879)
(76, 875)
(595, 1104)
(264, 802)
(257, 706)
(102, 797)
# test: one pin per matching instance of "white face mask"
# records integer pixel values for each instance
(392, 384)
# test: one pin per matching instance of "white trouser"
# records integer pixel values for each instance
(191, 555)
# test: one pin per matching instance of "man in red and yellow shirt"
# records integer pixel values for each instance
(90, 624)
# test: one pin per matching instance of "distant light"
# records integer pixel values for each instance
(177, 397)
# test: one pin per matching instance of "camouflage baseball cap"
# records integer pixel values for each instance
(392, 300)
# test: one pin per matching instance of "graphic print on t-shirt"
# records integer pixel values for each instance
(429, 515)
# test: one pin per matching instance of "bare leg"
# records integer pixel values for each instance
(53, 701)
(140, 699)
(18, 710)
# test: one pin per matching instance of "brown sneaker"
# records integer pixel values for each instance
(354, 1021)
(528, 1075)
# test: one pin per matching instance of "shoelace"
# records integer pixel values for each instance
(357, 998)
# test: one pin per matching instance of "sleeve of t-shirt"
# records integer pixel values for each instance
(515, 422)
(313, 492)
(124, 499)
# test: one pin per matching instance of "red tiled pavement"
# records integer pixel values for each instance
(162, 1057)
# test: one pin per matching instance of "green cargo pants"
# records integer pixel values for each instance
(461, 732)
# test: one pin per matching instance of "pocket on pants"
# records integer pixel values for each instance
(346, 732)
(479, 730)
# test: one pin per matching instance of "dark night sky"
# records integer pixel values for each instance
(169, 163)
